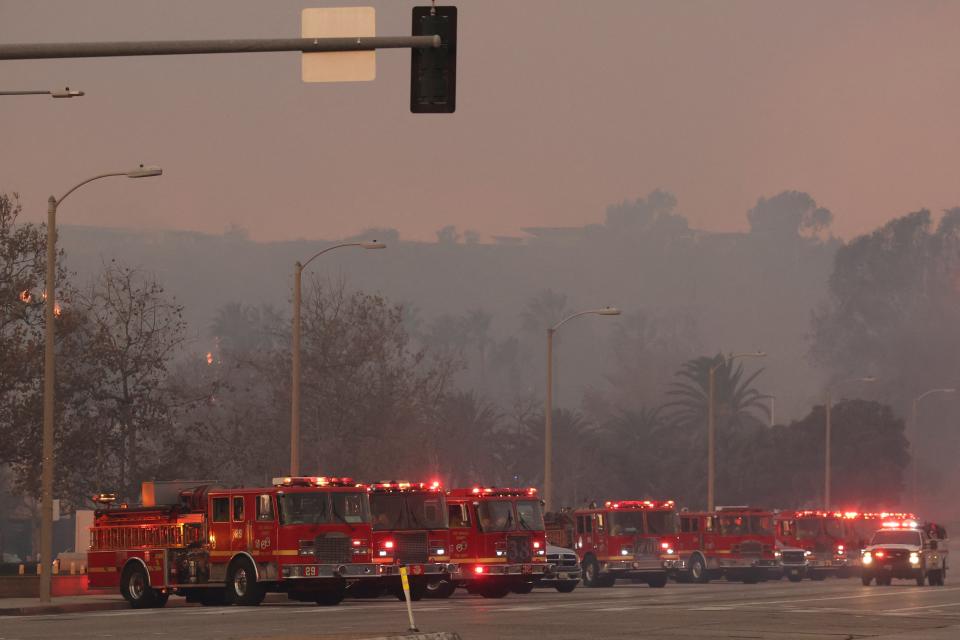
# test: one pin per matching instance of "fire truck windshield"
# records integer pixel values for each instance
(661, 522)
(834, 528)
(761, 525)
(808, 528)
(896, 537)
(496, 515)
(529, 515)
(626, 522)
(323, 508)
(403, 511)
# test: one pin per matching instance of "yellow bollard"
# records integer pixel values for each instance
(73, 568)
(21, 570)
(406, 594)
(56, 567)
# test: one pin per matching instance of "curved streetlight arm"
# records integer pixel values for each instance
(77, 186)
(606, 311)
(365, 245)
(927, 393)
(733, 356)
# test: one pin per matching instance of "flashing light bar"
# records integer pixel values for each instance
(104, 498)
(639, 504)
(406, 486)
(899, 524)
(493, 491)
(313, 481)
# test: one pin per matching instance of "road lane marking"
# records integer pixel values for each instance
(929, 606)
(870, 595)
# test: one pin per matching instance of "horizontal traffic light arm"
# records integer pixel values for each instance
(186, 47)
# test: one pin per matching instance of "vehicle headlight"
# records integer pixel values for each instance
(867, 557)
(807, 554)
(914, 557)
(625, 551)
(777, 554)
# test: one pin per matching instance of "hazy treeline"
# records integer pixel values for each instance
(432, 364)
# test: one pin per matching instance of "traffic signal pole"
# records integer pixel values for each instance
(185, 47)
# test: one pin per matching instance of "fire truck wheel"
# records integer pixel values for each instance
(591, 572)
(698, 570)
(417, 591)
(566, 587)
(135, 587)
(866, 580)
(523, 587)
(242, 586)
(494, 591)
(658, 582)
(440, 589)
(330, 598)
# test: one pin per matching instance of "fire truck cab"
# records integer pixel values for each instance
(736, 543)
(497, 540)
(307, 537)
(628, 539)
(817, 538)
(410, 528)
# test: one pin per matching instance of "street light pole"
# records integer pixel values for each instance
(548, 408)
(828, 437)
(914, 439)
(295, 359)
(711, 420)
(47, 458)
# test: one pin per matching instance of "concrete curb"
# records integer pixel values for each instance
(438, 635)
(74, 607)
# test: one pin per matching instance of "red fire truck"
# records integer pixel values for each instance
(630, 539)
(307, 537)
(497, 540)
(410, 529)
(736, 543)
(819, 537)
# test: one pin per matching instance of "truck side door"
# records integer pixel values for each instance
(240, 528)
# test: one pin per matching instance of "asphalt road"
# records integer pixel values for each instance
(830, 609)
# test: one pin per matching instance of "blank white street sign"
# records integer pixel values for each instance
(339, 66)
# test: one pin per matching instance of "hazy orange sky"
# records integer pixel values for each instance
(563, 108)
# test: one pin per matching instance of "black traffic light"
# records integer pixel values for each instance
(433, 72)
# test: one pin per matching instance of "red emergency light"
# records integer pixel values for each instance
(394, 486)
(313, 481)
(478, 491)
(639, 504)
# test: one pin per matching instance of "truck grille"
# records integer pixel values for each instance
(751, 547)
(793, 557)
(646, 547)
(518, 549)
(331, 549)
(412, 548)
(563, 559)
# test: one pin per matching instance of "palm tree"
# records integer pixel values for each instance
(736, 399)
